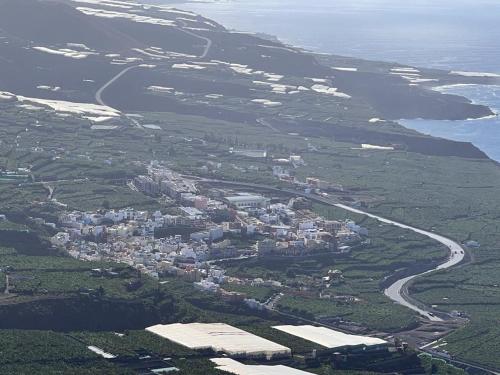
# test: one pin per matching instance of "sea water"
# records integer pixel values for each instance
(483, 133)
(445, 34)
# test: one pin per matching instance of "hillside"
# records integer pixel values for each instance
(183, 63)
(94, 92)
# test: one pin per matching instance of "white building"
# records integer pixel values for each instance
(234, 367)
(247, 201)
(307, 225)
(207, 286)
(221, 338)
(60, 239)
(329, 338)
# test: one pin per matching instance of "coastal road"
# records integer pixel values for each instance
(398, 291)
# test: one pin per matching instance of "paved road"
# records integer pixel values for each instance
(98, 95)
(397, 291)
(99, 99)
(208, 41)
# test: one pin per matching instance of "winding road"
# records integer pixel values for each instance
(206, 50)
(208, 41)
(98, 94)
(397, 291)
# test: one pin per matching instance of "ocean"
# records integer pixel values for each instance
(444, 34)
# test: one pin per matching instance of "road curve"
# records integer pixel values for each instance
(206, 50)
(98, 95)
(396, 291)
(208, 41)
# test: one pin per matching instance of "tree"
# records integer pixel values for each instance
(101, 292)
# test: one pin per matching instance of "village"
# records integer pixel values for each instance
(201, 229)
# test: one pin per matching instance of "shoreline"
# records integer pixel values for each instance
(454, 72)
(466, 129)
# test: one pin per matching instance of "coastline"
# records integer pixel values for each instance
(483, 132)
(454, 76)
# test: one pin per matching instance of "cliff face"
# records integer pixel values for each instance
(396, 100)
(83, 313)
(410, 142)
(230, 70)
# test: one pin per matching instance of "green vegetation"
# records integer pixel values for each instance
(88, 169)
(259, 293)
(128, 342)
(45, 352)
(40, 352)
(75, 167)
(86, 196)
(388, 250)
(6, 225)
(52, 275)
(438, 366)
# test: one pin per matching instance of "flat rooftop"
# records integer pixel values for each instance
(191, 211)
(220, 337)
(245, 197)
(234, 367)
(329, 338)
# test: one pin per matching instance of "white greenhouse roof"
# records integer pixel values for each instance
(328, 337)
(219, 337)
(234, 367)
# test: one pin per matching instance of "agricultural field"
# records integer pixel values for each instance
(389, 249)
(450, 195)
(41, 350)
(89, 196)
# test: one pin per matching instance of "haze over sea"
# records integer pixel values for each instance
(445, 34)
